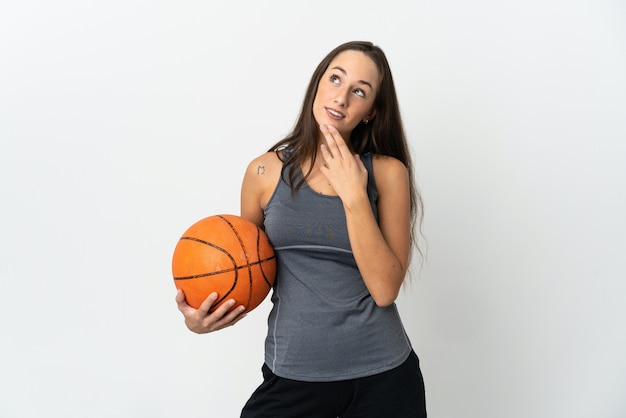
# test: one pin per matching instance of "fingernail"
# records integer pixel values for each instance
(323, 128)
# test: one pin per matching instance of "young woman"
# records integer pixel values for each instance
(337, 199)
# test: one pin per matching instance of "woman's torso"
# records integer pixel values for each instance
(324, 325)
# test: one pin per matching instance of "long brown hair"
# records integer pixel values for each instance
(383, 135)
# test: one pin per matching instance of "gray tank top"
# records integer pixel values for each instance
(324, 325)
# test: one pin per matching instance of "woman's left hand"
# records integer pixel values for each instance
(345, 171)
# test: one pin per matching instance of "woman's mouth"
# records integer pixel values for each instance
(333, 114)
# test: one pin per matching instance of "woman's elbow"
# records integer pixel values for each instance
(385, 299)
(385, 288)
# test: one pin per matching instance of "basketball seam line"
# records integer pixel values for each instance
(225, 270)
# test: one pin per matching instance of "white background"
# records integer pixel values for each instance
(123, 122)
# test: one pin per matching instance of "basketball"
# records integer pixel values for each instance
(226, 254)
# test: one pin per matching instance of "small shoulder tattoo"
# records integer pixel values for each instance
(260, 169)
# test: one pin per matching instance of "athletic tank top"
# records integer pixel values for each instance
(324, 325)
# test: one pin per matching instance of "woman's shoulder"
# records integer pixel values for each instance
(388, 171)
(386, 164)
(259, 182)
(265, 168)
(267, 160)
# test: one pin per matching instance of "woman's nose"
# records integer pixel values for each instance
(342, 97)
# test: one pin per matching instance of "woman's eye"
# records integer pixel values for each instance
(359, 92)
(334, 79)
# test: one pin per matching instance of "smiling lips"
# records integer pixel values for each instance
(333, 114)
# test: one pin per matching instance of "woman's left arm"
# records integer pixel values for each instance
(381, 249)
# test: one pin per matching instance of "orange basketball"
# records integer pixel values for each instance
(226, 254)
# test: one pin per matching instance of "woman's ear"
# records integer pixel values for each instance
(369, 116)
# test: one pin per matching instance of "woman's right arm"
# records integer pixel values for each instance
(258, 185)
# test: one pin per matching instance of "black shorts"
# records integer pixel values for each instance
(397, 393)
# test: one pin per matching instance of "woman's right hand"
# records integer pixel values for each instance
(201, 321)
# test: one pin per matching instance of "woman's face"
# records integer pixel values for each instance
(346, 92)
